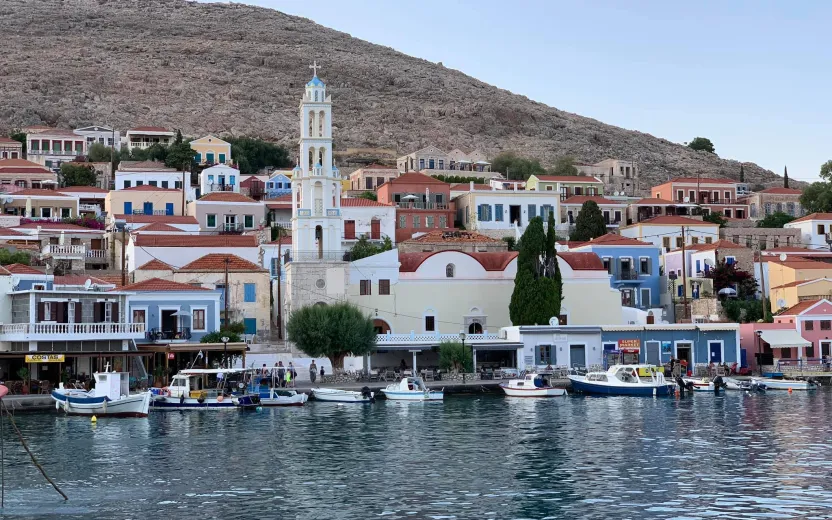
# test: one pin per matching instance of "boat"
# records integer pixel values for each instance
(110, 398)
(784, 384)
(411, 389)
(635, 380)
(740, 384)
(532, 385)
(247, 402)
(698, 384)
(334, 395)
(185, 391)
(281, 397)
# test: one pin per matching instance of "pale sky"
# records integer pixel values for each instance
(752, 76)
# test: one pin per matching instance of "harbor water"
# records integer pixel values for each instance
(733, 456)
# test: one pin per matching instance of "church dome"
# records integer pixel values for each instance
(315, 82)
(297, 168)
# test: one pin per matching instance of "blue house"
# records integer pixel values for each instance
(698, 344)
(173, 311)
(633, 266)
(278, 184)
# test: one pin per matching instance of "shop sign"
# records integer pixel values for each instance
(45, 358)
(171, 356)
(629, 346)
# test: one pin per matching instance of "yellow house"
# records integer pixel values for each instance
(144, 200)
(566, 185)
(788, 295)
(211, 150)
(784, 278)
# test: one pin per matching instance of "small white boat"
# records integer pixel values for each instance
(743, 385)
(636, 380)
(110, 398)
(784, 384)
(533, 385)
(282, 397)
(699, 384)
(411, 389)
(334, 395)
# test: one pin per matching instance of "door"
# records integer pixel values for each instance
(349, 229)
(169, 208)
(715, 352)
(128, 208)
(375, 229)
(825, 349)
(250, 325)
(230, 222)
(683, 353)
(209, 158)
(97, 244)
(514, 216)
(653, 352)
(148, 208)
(577, 355)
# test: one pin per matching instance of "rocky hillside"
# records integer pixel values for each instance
(238, 69)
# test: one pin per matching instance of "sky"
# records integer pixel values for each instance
(752, 76)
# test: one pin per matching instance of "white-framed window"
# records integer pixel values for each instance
(108, 312)
(140, 316)
(211, 220)
(71, 312)
(198, 320)
(39, 287)
(644, 265)
(46, 212)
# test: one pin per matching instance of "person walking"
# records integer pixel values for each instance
(281, 374)
(313, 372)
(322, 372)
(288, 378)
(291, 368)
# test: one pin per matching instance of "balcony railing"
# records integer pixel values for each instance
(169, 334)
(232, 229)
(432, 337)
(318, 256)
(422, 205)
(71, 329)
(304, 212)
(65, 153)
(97, 253)
(151, 212)
(628, 274)
(220, 187)
(333, 212)
(89, 207)
(58, 250)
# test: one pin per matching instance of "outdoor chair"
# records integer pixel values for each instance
(373, 375)
(428, 375)
(45, 387)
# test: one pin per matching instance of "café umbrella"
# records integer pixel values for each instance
(727, 291)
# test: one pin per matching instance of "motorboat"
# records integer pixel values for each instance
(186, 392)
(281, 397)
(110, 398)
(635, 380)
(744, 385)
(784, 384)
(334, 395)
(411, 389)
(532, 385)
(698, 384)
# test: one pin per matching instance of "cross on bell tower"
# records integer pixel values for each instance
(315, 67)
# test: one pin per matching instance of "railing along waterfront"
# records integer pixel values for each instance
(72, 328)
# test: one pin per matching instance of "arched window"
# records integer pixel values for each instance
(311, 123)
(475, 328)
(321, 118)
(316, 95)
(790, 208)
(450, 271)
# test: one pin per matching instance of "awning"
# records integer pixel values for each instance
(784, 339)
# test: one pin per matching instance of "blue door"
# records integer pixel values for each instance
(169, 208)
(128, 208)
(148, 208)
(716, 352)
(209, 158)
(251, 325)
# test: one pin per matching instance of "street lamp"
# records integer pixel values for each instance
(462, 339)
(225, 350)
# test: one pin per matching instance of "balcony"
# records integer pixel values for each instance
(65, 252)
(90, 208)
(318, 256)
(210, 188)
(63, 153)
(231, 229)
(174, 334)
(627, 275)
(422, 205)
(47, 331)
(97, 256)
(151, 212)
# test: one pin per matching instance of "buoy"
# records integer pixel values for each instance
(790, 390)
(259, 408)
(220, 398)
(93, 419)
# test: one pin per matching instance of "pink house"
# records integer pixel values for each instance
(813, 320)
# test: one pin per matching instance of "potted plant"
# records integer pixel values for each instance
(159, 376)
(23, 374)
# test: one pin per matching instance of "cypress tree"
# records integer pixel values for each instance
(552, 260)
(590, 223)
(535, 298)
(742, 174)
(785, 177)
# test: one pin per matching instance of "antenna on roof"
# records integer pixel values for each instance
(781, 303)
(783, 257)
(87, 284)
(687, 199)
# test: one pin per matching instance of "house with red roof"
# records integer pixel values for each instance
(10, 148)
(26, 174)
(227, 212)
(423, 203)
(54, 146)
(179, 249)
(649, 207)
(40, 203)
(666, 231)
(713, 195)
(146, 136)
(371, 177)
(774, 200)
(565, 186)
(814, 229)
(220, 177)
(613, 211)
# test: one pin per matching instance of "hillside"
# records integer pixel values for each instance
(238, 69)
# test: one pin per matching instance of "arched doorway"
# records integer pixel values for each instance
(475, 328)
(319, 236)
(381, 326)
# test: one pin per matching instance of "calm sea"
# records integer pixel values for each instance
(737, 456)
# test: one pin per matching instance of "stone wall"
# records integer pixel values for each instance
(309, 283)
(762, 238)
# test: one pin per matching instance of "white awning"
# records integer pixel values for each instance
(784, 339)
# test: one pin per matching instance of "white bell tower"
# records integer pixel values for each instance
(316, 185)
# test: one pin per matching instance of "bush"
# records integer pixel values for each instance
(18, 257)
(456, 357)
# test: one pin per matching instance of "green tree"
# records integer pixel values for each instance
(99, 153)
(552, 267)
(535, 298)
(21, 138)
(155, 152)
(785, 177)
(703, 144)
(216, 337)
(727, 275)
(17, 257)
(77, 174)
(590, 223)
(742, 173)
(252, 155)
(454, 356)
(515, 167)
(745, 311)
(364, 248)
(715, 217)
(826, 171)
(817, 197)
(369, 195)
(564, 166)
(776, 220)
(180, 156)
(332, 331)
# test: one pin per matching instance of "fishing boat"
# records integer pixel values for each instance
(532, 385)
(635, 380)
(186, 390)
(110, 398)
(411, 389)
(784, 384)
(334, 395)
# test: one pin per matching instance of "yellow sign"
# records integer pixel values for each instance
(45, 358)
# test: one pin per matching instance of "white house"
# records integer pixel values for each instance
(219, 178)
(168, 178)
(366, 217)
(556, 345)
(498, 212)
(813, 229)
(105, 135)
(180, 249)
(666, 231)
(146, 136)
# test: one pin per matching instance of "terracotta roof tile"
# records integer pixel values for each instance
(82, 189)
(801, 263)
(159, 285)
(583, 261)
(653, 201)
(155, 265)
(800, 308)
(226, 196)
(360, 202)
(34, 192)
(438, 236)
(150, 219)
(112, 279)
(22, 269)
(217, 262)
(415, 178)
(580, 199)
(159, 227)
(9, 140)
(813, 216)
(568, 178)
(611, 239)
(494, 261)
(78, 279)
(801, 282)
(146, 240)
(782, 191)
(10, 232)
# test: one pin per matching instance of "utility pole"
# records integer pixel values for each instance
(123, 255)
(762, 279)
(696, 198)
(227, 292)
(684, 278)
(183, 191)
(279, 298)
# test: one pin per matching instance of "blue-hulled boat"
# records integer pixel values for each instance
(110, 398)
(635, 380)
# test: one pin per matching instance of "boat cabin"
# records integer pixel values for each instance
(113, 385)
(194, 383)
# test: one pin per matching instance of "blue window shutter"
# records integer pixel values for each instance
(209, 157)
(199, 157)
(148, 208)
(729, 261)
(698, 266)
(498, 212)
(532, 211)
(250, 325)
(231, 180)
(479, 213)
(679, 290)
(128, 208)
(249, 293)
(222, 158)
(537, 355)
(169, 208)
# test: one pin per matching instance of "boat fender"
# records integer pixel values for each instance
(200, 399)
(182, 398)
(220, 398)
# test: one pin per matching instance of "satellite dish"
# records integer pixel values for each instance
(781, 303)
(783, 257)
(553, 321)
(87, 284)
(687, 199)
